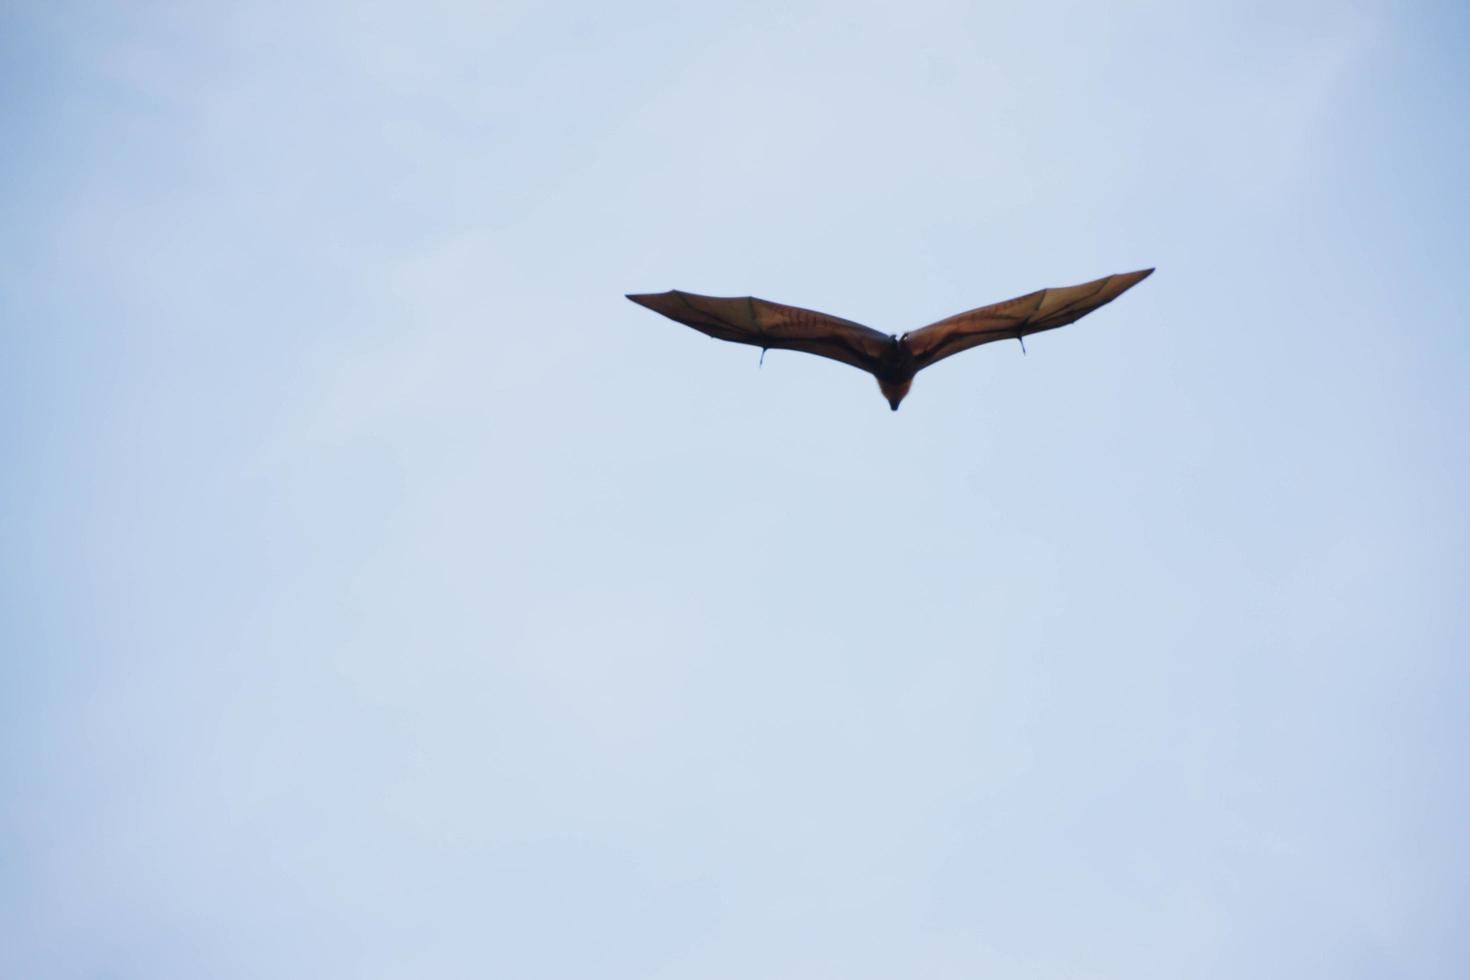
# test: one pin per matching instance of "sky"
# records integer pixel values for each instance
(383, 595)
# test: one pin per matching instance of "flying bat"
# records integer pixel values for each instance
(893, 359)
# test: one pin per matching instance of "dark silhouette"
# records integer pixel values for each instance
(892, 359)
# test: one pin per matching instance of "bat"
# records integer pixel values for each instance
(893, 359)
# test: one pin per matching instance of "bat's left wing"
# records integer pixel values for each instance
(761, 323)
(1045, 309)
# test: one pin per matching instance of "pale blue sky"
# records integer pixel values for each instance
(385, 596)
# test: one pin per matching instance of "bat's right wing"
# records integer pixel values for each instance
(760, 323)
(1045, 309)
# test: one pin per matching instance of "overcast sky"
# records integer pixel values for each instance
(382, 595)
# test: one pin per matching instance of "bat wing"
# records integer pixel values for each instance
(1045, 309)
(747, 320)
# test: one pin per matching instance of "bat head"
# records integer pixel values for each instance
(894, 391)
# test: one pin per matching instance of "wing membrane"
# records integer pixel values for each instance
(1045, 309)
(761, 323)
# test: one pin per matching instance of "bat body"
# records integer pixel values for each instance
(893, 359)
